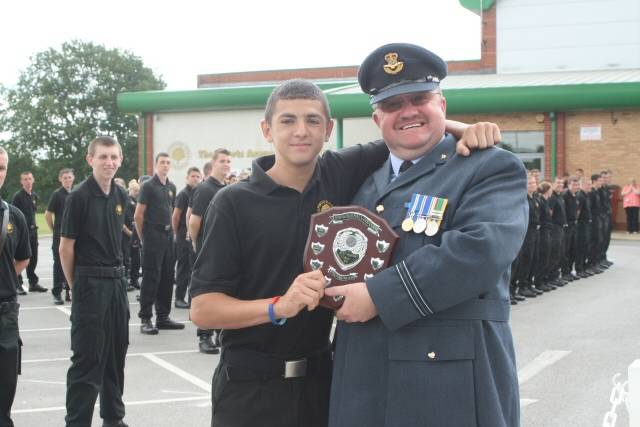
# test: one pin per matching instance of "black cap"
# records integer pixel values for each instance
(398, 68)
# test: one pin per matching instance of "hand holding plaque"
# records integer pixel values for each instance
(348, 244)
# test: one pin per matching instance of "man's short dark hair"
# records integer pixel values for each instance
(206, 169)
(595, 177)
(192, 169)
(65, 170)
(219, 151)
(296, 89)
(161, 154)
(25, 173)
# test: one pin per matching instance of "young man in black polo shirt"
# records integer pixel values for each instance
(14, 257)
(53, 216)
(184, 251)
(26, 200)
(91, 256)
(202, 197)
(275, 367)
(153, 223)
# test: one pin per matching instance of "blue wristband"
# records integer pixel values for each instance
(272, 314)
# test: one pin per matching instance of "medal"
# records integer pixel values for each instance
(435, 216)
(407, 224)
(432, 227)
(420, 225)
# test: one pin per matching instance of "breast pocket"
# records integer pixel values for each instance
(431, 377)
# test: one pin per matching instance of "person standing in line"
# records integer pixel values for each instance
(91, 257)
(584, 230)
(597, 218)
(570, 239)
(53, 216)
(153, 222)
(631, 204)
(185, 254)
(200, 202)
(26, 200)
(606, 198)
(134, 267)
(14, 257)
(558, 229)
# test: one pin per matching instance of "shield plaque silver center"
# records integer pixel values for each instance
(349, 247)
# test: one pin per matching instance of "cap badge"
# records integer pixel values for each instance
(393, 66)
(118, 209)
(9, 228)
(324, 205)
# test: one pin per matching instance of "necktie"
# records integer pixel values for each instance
(405, 165)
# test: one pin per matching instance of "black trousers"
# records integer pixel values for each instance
(270, 402)
(99, 341)
(527, 258)
(607, 228)
(158, 267)
(556, 256)
(583, 244)
(569, 249)
(126, 254)
(541, 266)
(185, 257)
(33, 261)
(9, 359)
(59, 281)
(595, 246)
(632, 219)
(134, 269)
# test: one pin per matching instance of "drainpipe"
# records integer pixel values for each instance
(143, 145)
(554, 144)
(339, 134)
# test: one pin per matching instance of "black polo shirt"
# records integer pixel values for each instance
(95, 220)
(596, 204)
(534, 212)
(571, 206)
(203, 195)
(16, 247)
(584, 206)
(605, 199)
(253, 244)
(28, 205)
(159, 199)
(559, 214)
(182, 202)
(56, 207)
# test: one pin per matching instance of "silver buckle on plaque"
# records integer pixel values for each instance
(295, 368)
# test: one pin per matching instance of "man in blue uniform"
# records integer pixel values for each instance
(427, 341)
(14, 257)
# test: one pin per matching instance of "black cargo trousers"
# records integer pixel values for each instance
(99, 341)
(9, 358)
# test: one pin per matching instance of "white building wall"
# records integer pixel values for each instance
(554, 35)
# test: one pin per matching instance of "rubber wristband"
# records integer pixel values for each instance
(272, 313)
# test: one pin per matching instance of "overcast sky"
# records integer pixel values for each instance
(181, 39)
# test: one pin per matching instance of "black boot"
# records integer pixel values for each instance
(207, 346)
(147, 327)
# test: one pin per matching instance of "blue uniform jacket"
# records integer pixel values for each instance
(440, 353)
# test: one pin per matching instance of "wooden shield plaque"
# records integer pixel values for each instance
(348, 244)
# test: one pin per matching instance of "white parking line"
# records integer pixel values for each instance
(544, 360)
(65, 310)
(67, 328)
(137, 402)
(64, 359)
(45, 307)
(179, 372)
(527, 402)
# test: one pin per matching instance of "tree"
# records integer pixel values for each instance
(64, 99)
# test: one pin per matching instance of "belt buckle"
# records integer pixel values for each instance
(295, 368)
(167, 227)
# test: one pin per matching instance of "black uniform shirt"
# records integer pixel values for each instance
(545, 211)
(129, 211)
(571, 206)
(584, 207)
(182, 202)
(159, 199)
(203, 195)
(596, 204)
(16, 247)
(254, 238)
(28, 204)
(559, 214)
(56, 207)
(605, 199)
(95, 221)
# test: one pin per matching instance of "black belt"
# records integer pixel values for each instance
(107, 272)
(249, 365)
(158, 227)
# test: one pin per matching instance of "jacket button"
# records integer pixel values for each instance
(431, 355)
(380, 208)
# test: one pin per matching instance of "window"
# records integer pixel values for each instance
(528, 146)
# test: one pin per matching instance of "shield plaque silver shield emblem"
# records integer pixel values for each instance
(349, 247)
